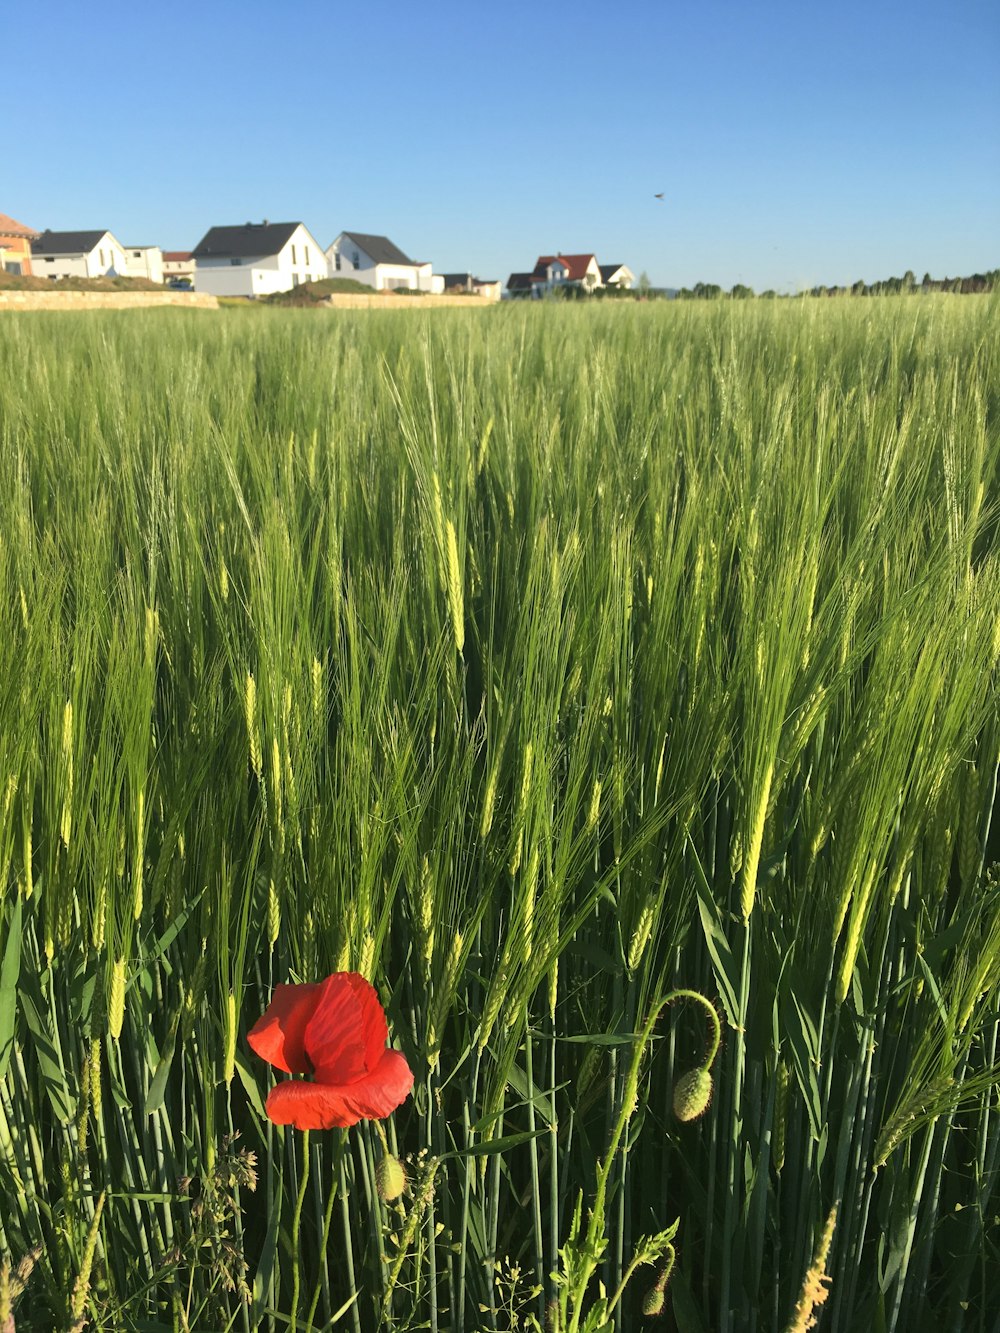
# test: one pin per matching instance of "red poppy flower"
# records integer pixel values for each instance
(336, 1030)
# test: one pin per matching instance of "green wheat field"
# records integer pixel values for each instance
(535, 663)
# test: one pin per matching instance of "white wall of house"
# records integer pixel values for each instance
(592, 278)
(144, 261)
(250, 279)
(382, 277)
(346, 259)
(107, 259)
(299, 260)
(301, 257)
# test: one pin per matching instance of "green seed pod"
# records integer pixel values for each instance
(653, 1302)
(390, 1177)
(692, 1094)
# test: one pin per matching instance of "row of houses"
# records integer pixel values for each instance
(252, 260)
(263, 258)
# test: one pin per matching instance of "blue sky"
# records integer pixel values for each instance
(795, 143)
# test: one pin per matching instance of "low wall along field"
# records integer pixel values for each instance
(69, 300)
(614, 689)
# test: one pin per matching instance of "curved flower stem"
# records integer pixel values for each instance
(715, 1028)
(296, 1224)
(636, 1263)
(572, 1298)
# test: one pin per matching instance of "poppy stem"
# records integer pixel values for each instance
(296, 1223)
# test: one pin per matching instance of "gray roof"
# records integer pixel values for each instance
(251, 241)
(608, 269)
(379, 248)
(67, 242)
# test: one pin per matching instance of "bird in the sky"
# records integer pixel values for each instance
(657, 196)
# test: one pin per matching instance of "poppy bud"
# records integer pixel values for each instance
(692, 1093)
(390, 1177)
(653, 1302)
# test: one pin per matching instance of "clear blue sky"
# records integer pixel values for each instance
(795, 143)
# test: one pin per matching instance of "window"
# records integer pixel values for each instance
(234, 262)
(137, 254)
(336, 261)
(355, 260)
(305, 251)
(295, 279)
(293, 255)
(103, 260)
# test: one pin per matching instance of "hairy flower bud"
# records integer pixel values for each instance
(692, 1094)
(653, 1302)
(390, 1177)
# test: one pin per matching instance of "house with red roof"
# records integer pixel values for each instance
(15, 245)
(559, 271)
(568, 271)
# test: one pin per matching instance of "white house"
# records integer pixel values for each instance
(257, 259)
(77, 254)
(617, 275)
(375, 261)
(178, 268)
(487, 288)
(144, 261)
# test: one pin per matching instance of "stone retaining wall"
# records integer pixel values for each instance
(359, 301)
(14, 299)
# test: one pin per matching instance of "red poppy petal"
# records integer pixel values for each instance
(279, 1036)
(324, 1106)
(376, 1030)
(379, 1093)
(335, 1036)
(308, 1106)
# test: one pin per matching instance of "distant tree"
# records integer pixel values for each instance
(643, 286)
(741, 293)
(769, 295)
(927, 280)
(909, 281)
(858, 288)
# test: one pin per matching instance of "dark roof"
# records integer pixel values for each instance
(67, 242)
(608, 270)
(251, 241)
(519, 282)
(458, 279)
(379, 248)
